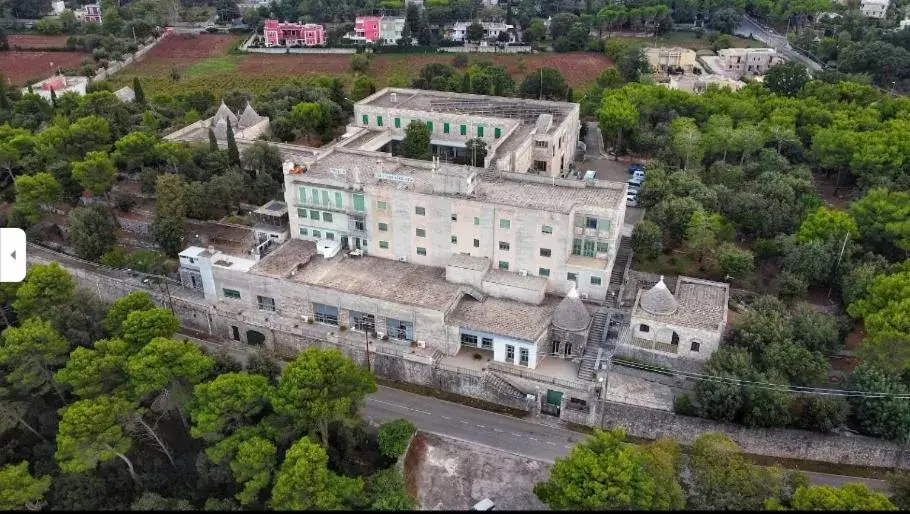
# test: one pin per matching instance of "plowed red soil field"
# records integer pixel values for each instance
(20, 67)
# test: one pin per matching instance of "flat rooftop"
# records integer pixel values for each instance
(504, 317)
(551, 198)
(474, 105)
(286, 259)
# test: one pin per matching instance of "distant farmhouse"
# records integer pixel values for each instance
(277, 33)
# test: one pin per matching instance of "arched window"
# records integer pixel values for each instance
(674, 340)
(644, 328)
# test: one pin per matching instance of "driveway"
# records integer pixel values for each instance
(607, 168)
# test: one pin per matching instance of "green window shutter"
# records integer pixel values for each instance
(378, 121)
(497, 132)
(543, 272)
(327, 217)
(397, 122)
(504, 223)
(479, 130)
(603, 247)
(314, 215)
(315, 193)
(384, 245)
(337, 199)
(366, 119)
(603, 224)
(445, 128)
(301, 194)
(325, 198)
(476, 220)
(358, 203)
(464, 130)
(301, 213)
(430, 126)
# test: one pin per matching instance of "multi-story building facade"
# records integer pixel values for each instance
(874, 8)
(748, 61)
(661, 59)
(491, 30)
(521, 135)
(92, 13)
(276, 33)
(371, 29)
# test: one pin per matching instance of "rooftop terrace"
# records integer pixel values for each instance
(504, 317)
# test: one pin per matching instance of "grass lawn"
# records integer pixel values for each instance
(687, 39)
(211, 66)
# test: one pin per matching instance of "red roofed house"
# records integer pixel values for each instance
(367, 27)
(293, 34)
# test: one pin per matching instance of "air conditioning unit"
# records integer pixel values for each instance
(306, 319)
(403, 259)
(380, 335)
(421, 344)
(523, 272)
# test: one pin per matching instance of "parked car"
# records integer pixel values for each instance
(590, 175)
(633, 167)
(632, 197)
(635, 181)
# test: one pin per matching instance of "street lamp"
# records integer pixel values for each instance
(603, 403)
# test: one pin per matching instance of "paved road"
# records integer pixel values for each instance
(751, 27)
(525, 437)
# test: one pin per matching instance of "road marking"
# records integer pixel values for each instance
(568, 447)
(463, 421)
(445, 417)
(497, 430)
(516, 435)
(551, 443)
(480, 426)
(532, 438)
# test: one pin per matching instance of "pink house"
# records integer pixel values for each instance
(93, 13)
(367, 27)
(293, 34)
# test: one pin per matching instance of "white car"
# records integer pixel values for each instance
(632, 198)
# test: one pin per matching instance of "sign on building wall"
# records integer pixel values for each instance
(393, 177)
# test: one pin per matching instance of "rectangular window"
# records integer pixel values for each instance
(330, 236)
(477, 243)
(359, 205)
(384, 245)
(603, 224)
(265, 303)
(383, 227)
(397, 122)
(378, 121)
(476, 220)
(486, 343)
(421, 232)
(510, 353)
(235, 333)
(588, 250)
(571, 277)
(315, 196)
(420, 211)
(454, 217)
(430, 126)
(301, 193)
(590, 222)
(317, 233)
(454, 240)
(595, 281)
(445, 128)
(360, 225)
(231, 293)
(546, 229)
(382, 206)
(469, 340)
(363, 321)
(327, 314)
(522, 356)
(503, 223)
(603, 247)
(304, 231)
(497, 132)
(504, 265)
(543, 272)
(327, 217)
(325, 197)
(401, 330)
(545, 252)
(576, 247)
(503, 245)
(314, 215)
(540, 165)
(301, 213)
(366, 119)
(479, 130)
(421, 251)
(337, 199)
(464, 130)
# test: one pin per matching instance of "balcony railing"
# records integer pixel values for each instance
(532, 375)
(654, 345)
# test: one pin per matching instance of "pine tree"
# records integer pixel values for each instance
(213, 141)
(4, 100)
(570, 95)
(466, 83)
(137, 89)
(233, 152)
(53, 98)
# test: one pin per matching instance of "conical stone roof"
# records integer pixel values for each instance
(658, 300)
(224, 113)
(248, 118)
(571, 314)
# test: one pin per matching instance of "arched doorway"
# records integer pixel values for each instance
(255, 338)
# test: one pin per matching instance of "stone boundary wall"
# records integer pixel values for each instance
(195, 313)
(472, 49)
(773, 442)
(314, 50)
(119, 65)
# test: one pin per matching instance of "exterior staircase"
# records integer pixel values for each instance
(618, 276)
(502, 386)
(594, 346)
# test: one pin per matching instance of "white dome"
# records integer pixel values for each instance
(658, 300)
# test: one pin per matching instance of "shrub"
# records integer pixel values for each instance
(683, 405)
(394, 437)
(460, 61)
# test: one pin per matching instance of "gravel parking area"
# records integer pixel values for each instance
(449, 474)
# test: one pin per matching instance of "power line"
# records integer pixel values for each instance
(803, 390)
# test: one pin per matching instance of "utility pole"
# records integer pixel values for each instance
(367, 327)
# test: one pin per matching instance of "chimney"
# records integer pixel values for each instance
(394, 98)
(286, 167)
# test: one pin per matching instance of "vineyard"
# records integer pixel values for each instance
(181, 64)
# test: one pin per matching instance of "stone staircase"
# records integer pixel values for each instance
(594, 346)
(502, 386)
(618, 276)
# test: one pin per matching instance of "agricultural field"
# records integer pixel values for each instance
(205, 62)
(21, 67)
(688, 40)
(36, 42)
